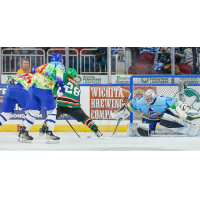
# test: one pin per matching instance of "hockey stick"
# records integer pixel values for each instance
(114, 133)
(119, 120)
(72, 127)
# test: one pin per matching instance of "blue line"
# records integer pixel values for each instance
(29, 121)
(50, 120)
(3, 117)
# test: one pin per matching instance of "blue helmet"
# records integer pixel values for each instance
(56, 57)
(33, 69)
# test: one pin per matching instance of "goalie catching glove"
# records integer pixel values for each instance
(121, 113)
(187, 112)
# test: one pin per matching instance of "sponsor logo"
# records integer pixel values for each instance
(78, 79)
(122, 79)
(155, 80)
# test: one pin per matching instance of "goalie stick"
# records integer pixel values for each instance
(72, 127)
(119, 120)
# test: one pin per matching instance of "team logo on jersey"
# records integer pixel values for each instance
(152, 114)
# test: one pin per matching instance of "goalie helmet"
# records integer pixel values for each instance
(149, 96)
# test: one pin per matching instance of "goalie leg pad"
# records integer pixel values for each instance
(179, 125)
(138, 129)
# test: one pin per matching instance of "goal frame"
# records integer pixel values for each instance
(157, 84)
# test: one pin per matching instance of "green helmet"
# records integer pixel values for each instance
(71, 72)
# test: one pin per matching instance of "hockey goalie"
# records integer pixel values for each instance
(155, 109)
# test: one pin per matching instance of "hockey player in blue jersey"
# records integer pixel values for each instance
(40, 92)
(16, 93)
(154, 107)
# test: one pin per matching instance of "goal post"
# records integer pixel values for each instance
(166, 85)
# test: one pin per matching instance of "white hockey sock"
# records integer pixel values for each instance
(51, 119)
(25, 114)
(30, 119)
(4, 117)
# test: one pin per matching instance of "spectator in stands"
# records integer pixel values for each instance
(162, 58)
(25, 68)
(101, 58)
(187, 55)
(152, 50)
(135, 52)
(29, 51)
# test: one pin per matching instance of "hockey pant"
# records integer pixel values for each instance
(14, 94)
(152, 124)
(77, 113)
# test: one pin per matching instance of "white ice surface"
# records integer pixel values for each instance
(70, 142)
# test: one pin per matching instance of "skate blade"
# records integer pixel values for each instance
(40, 135)
(52, 141)
(24, 141)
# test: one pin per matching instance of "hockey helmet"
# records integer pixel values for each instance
(56, 57)
(71, 72)
(149, 96)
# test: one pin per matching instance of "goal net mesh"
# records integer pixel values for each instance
(167, 86)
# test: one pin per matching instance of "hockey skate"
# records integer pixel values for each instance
(97, 132)
(24, 137)
(51, 138)
(42, 132)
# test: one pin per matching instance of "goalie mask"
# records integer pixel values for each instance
(149, 97)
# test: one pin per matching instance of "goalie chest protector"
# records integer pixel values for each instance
(156, 109)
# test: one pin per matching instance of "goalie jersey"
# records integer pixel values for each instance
(156, 110)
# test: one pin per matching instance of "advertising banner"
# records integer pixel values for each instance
(105, 100)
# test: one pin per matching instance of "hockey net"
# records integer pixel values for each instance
(166, 85)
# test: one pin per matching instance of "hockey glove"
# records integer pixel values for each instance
(61, 90)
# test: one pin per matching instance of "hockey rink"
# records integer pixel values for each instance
(122, 142)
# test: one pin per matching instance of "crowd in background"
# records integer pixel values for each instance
(142, 60)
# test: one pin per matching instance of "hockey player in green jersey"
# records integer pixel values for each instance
(68, 103)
